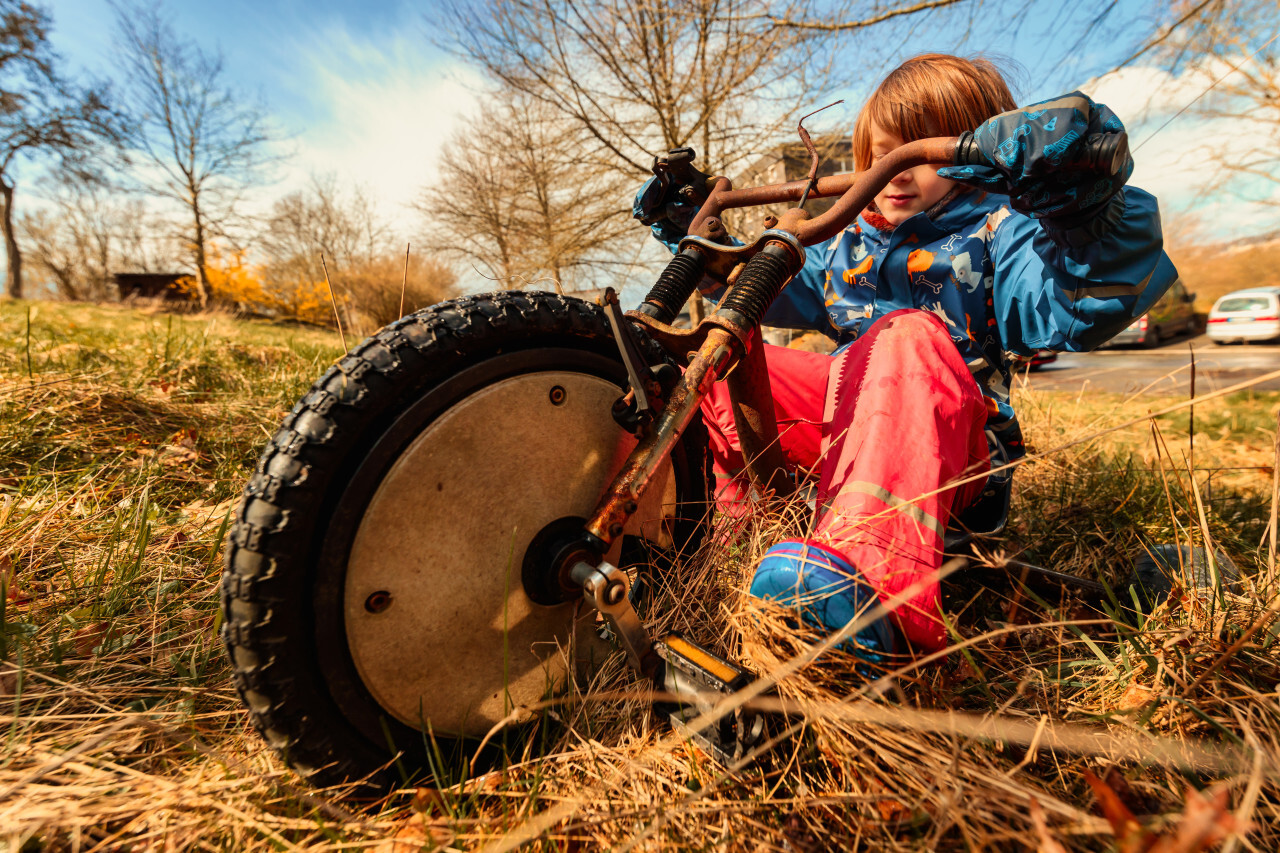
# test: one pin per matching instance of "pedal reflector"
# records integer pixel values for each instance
(701, 679)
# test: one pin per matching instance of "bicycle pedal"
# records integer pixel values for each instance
(701, 679)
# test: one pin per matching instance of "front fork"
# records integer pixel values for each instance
(723, 349)
(606, 587)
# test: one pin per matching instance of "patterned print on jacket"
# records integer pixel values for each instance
(993, 276)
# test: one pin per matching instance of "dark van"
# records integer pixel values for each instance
(1174, 314)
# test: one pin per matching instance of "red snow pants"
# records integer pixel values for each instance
(885, 426)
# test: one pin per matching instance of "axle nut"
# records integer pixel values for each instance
(377, 601)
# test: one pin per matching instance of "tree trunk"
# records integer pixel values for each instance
(696, 312)
(202, 273)
(13, 276)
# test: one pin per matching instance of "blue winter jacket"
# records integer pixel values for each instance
(993, 276)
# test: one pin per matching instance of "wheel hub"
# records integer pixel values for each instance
(438, 620)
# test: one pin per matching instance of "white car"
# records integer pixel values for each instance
(1246, 315)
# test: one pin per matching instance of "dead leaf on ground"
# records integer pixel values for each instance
(1135, 696)
(1205, 821)
(893, 811)
(91, 637)
(180, 449)
(203, 514)
(1131, 836)
(13, 591)
(415, 833)
(176, 539)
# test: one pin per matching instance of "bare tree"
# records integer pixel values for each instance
(855, 16)
(343, 225)
(515, 199)
(86, 233)
(1232, 46)
(202, 144)
(41, 115)
(639, 77)
(380, 286)
(366, 267)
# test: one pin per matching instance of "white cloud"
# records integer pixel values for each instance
(1177, 161)
(375, 114)
(1141, 93)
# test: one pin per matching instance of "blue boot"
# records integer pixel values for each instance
(826, 590)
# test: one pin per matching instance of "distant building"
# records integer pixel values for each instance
(169, 286)
(790, 162)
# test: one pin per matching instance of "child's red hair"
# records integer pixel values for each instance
(934, 94)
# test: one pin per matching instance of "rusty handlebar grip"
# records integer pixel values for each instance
(1103, 153)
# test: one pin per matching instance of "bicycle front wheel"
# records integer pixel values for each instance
(374, 593)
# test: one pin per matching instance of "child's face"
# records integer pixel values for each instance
(911, 191)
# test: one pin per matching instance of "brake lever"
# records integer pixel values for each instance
(629, 349)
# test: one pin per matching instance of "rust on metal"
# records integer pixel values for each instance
(710, 208)
(812, 177)
(792, 219)
(715, 355)
(683, 344)
(855, 190)
(940, 150)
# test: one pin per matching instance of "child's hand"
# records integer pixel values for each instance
(671, 198)
(657, 201)
(1027, 149)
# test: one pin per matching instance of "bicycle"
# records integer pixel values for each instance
(387, 592)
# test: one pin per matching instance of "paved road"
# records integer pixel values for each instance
(1165, 370)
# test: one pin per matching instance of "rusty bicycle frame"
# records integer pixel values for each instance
(719, 348)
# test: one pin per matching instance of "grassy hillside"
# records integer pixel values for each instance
(1210, 271)
(125, 439)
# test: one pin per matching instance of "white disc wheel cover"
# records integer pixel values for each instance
(437, 619)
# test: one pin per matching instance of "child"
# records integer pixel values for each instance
(946, 271)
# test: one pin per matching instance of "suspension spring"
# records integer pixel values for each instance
(675, 285)
(760, 283)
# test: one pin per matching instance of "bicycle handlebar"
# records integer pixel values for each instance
(1103, 153)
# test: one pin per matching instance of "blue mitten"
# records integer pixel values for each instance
(668, 218)
(1034, 156)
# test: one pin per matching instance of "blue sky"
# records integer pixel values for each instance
(354, 89)
(359, 90)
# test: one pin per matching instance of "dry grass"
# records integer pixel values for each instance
(128, 438)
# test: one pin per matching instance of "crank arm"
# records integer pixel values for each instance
(607, 588)
(695, 679)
